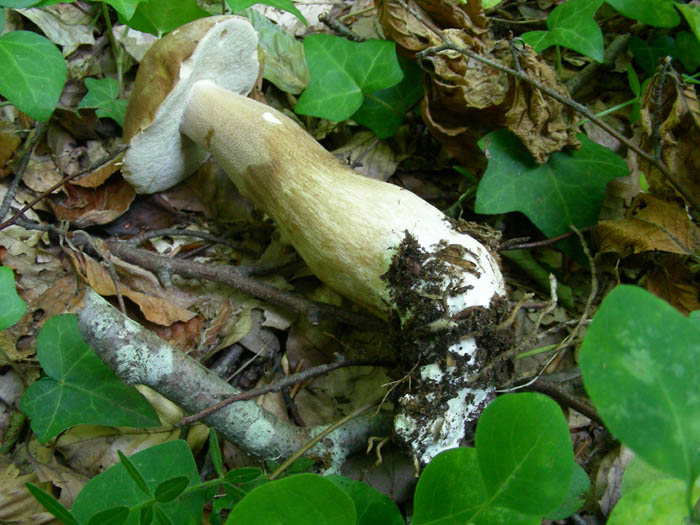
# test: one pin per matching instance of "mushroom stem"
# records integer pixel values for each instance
(378, 245)
(346, 227)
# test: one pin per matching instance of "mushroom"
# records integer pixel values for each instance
(378, 245)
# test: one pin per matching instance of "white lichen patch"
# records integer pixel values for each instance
(260, 434)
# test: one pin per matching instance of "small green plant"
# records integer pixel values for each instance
(103, 95)
(515, 470)
(78, 388)
(639, 367)
(572, 25)
(568, 189)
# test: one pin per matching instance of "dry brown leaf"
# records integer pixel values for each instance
(70, 482)
(100, 175)
(466, 98)
(368, 155)
(41, 174)
(17, 505)
(157, 304)
(9, 142)
(87, 207)
(674, 128)
(672, 281)
(608, 479)
(544, 125)
(411, 35)
(650, 224)
(211, 189)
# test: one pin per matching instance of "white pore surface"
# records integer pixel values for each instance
(159, 157)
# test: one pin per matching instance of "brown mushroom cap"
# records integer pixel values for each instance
(222, 49)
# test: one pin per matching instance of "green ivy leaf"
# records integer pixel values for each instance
(79, 388)
(113, 516)
(296, 500)
(688, 50)
(372, 506)
(285, 5)
(578, 491)
(158, 464)
(170, 489)
(102, 94)
(639, 367)
(692, 16)
(33, 73)
(658, 503)
(524, 450)
(444, 497)
(657, 13)
(384, 110)
(52, 505)
(125, 8)
(342, 72)
(572, 25)
(520, 468)
(13, 307)
(283, 60)
(539, 40)
(569, 189)
(162, 16)
(643, 54)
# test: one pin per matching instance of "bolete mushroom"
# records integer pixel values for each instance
(377, 244)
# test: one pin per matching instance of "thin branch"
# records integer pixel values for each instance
(314, 311)
(12, 190)
(563, 99)
(12, 220)
(307, 446)
(139, 356)
(286, 382)
(612, 51)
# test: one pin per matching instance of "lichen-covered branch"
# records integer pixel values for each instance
(138, 356)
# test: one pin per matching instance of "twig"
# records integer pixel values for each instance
(314, 311)
(612, 51)
(138, 356)
(176, 232)
(339, 28)
(553, 389)
(563, 99)
(64, 180)
(283, 383)
(291, 459)
(512, 244)
(31, 144)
